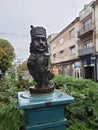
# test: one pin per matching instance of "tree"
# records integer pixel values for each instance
(23, 66)
(6, 55)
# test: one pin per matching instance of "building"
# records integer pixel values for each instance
(74, 51)
(64, 51)
(86, 44)
(95, 11)
(49, 39)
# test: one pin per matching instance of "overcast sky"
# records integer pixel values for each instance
(16, 16)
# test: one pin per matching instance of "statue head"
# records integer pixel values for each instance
(38, 36)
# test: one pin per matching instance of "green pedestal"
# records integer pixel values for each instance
(44, 112)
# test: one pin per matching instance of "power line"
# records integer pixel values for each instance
(14, 34)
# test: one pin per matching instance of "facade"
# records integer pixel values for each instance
(74, 51)
(49, 39)
(95, 8)
(86, 45)
(64, 51)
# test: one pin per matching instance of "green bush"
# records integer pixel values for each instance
(81, 115)
(79, 126)
(85, 108)
(11, 118)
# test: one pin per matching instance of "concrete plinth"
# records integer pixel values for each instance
(45, 111)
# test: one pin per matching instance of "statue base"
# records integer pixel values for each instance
(34, 90)
(44, 111)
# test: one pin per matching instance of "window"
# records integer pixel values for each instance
(62, 40)
(72, 33)
(72, 50)
(87, 24)
(61, 53)
(54, 56)
(67, 70)
(88, 45)
(54, 46)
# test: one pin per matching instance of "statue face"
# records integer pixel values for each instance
(40, 43)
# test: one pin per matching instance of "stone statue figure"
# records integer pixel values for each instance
(38, 61)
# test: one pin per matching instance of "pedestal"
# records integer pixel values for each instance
(45, 111)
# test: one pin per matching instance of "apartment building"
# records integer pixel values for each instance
(95, 11)
(74, 51)
(64, 51)
(86, 44)
(49, 39)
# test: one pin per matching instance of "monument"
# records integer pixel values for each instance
(38, 62)
(43, 105)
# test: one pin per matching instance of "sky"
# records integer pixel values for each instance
(16, 16)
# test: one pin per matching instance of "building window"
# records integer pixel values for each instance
(54, 46)
(61, 40)
(62, 54)
(72, 33)
(88, 45)
(54, 56)
(72, 50)
(67, 70)
(87, 24)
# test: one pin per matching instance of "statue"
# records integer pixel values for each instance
(38, 62)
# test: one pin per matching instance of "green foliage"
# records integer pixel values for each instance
(23, 66)
(11, 118)
(85, 108)
(81, 115)
(32, 83)
(6, 55)
(79, 126)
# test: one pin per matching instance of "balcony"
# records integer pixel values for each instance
(86, 51)
(86, 30)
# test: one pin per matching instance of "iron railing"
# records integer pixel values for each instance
(86, 51)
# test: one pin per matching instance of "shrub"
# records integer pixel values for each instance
(79, 126)
(11, 118)
(85, 108)
(81, 115)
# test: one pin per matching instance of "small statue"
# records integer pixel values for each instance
(38, 62)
